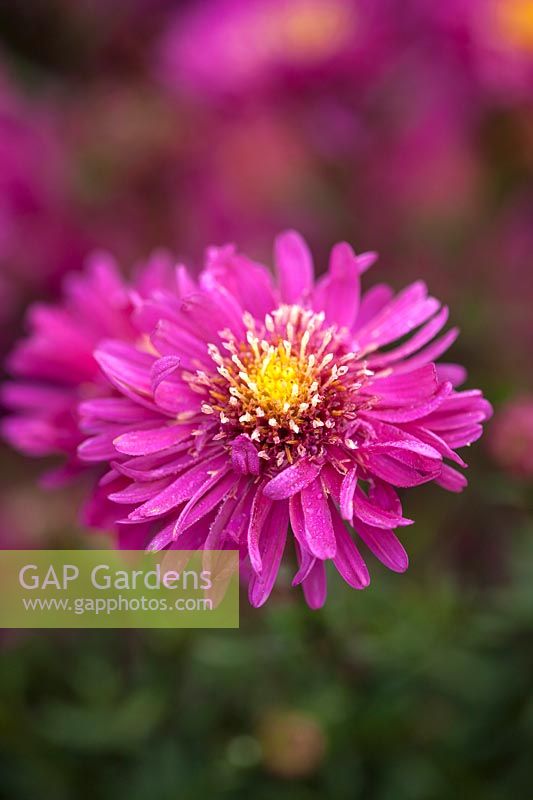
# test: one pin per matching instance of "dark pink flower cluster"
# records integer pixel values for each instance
(234, 46)
(226, 407)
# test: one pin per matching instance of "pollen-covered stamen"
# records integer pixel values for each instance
(291, 385)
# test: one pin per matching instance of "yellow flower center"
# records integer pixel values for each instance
(277, 380)
(514, 20)
(291, 384)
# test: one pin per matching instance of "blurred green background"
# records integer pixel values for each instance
(411, 134)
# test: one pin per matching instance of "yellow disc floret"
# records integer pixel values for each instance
(278, 380)
(290, 385)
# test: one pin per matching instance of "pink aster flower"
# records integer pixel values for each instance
(55, 369)
(258, 404)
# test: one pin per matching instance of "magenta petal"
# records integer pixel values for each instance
(272, 547)
(31, 435)
(260, 509)
(383, 495)
(399, 389)
(315, 586)
(414, 343)
(332, 481)
(186, 285)
(138, 492)
(294, 266)
(161, 539)
(292, 480)
(148, 468)
(244, 456)
(141, 443)
(454, 373)
(339, 291)
(369, 511)
(98, 448)
(416, 453)
(463, 437)
(319, 533)
(221, 529)
(204, 500)
(399, 473)
(305, 561)
(385, 546)
(250, 283)
(403, 314)
(183, 488)
(371, 304)
(176, 398)
(170, 340)
(451, 479)
(366, 260)
(305, 558)
(430, 353)
(411, 412)
(224, 300)
(29, 397)
(401, 459)
(112, 409)
(349, 482)
(348, 559)
(297, 519)
(438, 443)
(192, 539)
(124, 365)
(162, 369)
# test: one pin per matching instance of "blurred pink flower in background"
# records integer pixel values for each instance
(37, 237)
(495, 40)
(425, 165)
(55, 369)
(126, 148)
(511, 437)
(251, 173)
(500, 262)
(241, 46)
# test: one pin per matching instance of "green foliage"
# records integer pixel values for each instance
(420, 687)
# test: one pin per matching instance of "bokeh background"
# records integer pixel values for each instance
(404, 126)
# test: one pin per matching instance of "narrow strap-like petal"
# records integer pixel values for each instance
(318, 526)
(294, 266)
(292, 480)
(315, 586)
(349, 482)
(385, 546)
(244, 456)
(348, 560)
(272, 547)
(260, 508)
(339, 292)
